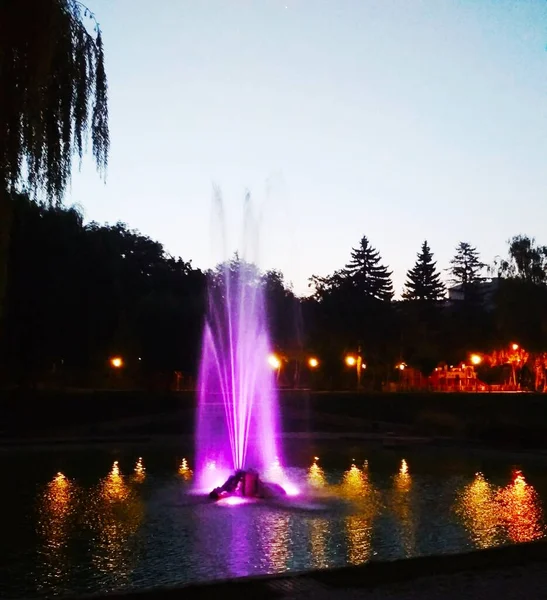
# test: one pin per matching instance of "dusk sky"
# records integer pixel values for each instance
(397, 119)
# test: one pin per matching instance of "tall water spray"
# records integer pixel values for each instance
(238, 414)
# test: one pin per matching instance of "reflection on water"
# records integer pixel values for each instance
(354, 483)
(93, 536)
(55, 508)
(316, 475)
(140, 471)
(319, 529)
(276, 541)
(401, 505)
(359, 533)
(479, 512)
(493, 515)
(184, 470)
(114, 515)
(357, 487)
(520, 510)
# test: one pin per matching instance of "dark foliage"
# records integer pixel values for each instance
(53, 98)
(78, 294)
(53, 92)
(424, 280)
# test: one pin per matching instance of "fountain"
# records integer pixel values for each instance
(237, 427)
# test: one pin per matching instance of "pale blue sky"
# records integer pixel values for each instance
(398, 119)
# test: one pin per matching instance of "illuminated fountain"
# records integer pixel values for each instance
(238, 414)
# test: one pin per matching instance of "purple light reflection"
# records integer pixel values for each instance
(233, 501)
(290, 488)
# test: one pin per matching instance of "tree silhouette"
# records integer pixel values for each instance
(366, 274)
(424, 280)
(466, 266)
(527, 261)
(54, 93)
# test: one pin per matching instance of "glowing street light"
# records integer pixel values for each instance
(514, 347)
(274, 361)
(356, 361)
(476, 359)
(116, 362)
(313, 363)
(351, 361)
(401, 366)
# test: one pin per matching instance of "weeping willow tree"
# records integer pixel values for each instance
(53, 99)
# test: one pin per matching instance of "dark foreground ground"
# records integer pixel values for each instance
(508, 573)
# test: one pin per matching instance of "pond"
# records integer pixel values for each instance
(97, 520)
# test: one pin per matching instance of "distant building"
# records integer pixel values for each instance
(461, 378)
(486, 291)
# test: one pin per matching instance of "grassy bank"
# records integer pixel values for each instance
(517, 420)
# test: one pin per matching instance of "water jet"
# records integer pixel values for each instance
(237, 428)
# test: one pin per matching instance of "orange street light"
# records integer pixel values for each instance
(351, 361)
(476, 359)
(116, 362)
(313, 363)
(274, 361)
(401, 366)
(514, 346)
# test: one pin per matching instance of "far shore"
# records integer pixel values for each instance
(388, 443)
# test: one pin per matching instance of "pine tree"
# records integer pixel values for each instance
(424, 280)
(367, 274)
(466, 266)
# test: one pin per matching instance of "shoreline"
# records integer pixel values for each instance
(376, 440)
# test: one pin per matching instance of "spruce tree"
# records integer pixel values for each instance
(465, 272)
(367, 274)
(466, 266)
(424, 280)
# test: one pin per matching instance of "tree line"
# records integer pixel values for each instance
(73, 294)
(79, 293)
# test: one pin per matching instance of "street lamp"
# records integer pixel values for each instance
(313, 363)
(116, 362)
(357, 362)
(274, 362)
(514, 346)
(476, 359)
(351, 361)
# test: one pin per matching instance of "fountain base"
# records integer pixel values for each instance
(247, 484)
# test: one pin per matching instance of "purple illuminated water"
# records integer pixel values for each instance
(238, 413)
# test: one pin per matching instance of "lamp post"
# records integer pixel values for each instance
(475, 359)
(313, 365)
(275, 363)
(116, 362)
(357, 362)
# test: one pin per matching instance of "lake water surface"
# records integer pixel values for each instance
(87, 521)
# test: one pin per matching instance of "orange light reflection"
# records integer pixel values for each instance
(316, 475)
(184, 470)
(520, 510)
